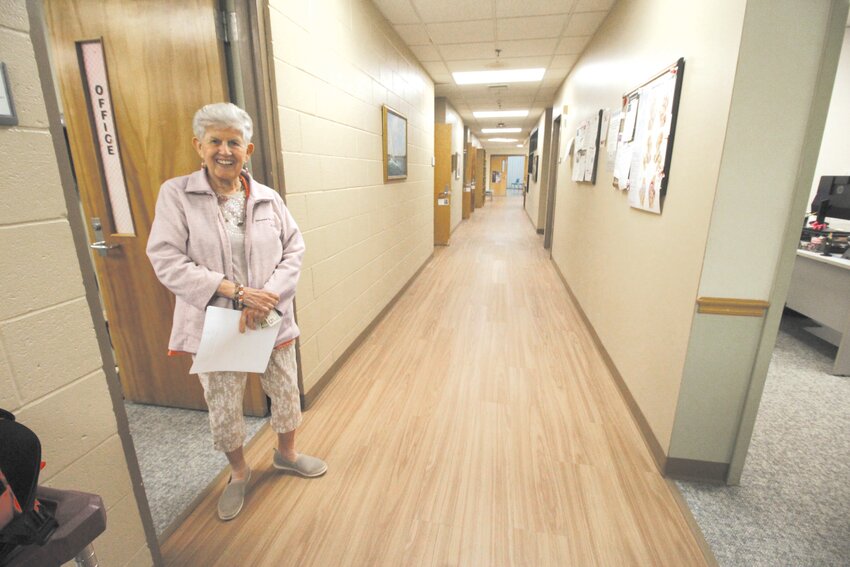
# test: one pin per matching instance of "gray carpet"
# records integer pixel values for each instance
(176, 456)
(793, 504)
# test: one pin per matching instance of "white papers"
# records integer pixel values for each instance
(224, 348)
(630, 118)
(590, 160)
(613, 139)
(622, 165)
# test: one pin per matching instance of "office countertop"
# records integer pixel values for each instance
(816, 256)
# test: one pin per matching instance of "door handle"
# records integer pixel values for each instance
(102, 247)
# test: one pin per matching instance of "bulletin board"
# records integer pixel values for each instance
(586, 149)
(645, 143)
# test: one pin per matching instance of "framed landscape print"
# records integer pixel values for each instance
(395, 144)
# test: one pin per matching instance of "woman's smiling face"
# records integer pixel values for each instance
(224, 152)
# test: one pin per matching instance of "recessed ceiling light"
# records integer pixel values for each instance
(519, 145)
(501, 76)
(501, 130)
(501, 139)
(500, 113)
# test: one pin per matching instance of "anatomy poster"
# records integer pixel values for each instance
(653, 138)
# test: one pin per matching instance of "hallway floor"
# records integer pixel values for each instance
(477, 425)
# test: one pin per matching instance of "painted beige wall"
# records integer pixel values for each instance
(834, 158)
(636, 274)
(533, 197)
(754, 199)
(51, 373)
(336, 62)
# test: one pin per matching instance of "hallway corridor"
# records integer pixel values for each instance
(476, 426)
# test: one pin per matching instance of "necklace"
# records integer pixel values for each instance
(233, 207)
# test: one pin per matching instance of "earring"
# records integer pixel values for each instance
(203, 165)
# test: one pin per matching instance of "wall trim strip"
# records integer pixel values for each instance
(732, 306)
(649, 438)
(308, 398)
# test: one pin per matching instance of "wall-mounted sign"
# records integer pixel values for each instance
(96, 84)
(7, 104)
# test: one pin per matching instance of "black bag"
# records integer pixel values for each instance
(23, 519)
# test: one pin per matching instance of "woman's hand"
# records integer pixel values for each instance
(251, 297)
(260, 300)
(251, 318)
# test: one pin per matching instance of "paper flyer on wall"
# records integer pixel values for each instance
(613, 140)
(622, 164)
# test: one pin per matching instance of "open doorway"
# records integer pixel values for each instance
(554, 154)
(516, 174)
(125, 136)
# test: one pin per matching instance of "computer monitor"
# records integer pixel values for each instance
(832, 198)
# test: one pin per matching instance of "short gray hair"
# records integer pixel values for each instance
(222, 114)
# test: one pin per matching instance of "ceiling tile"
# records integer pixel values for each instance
(425, 52)
(593, 5)
(413, 34)
(561, 62)
(445, 89)
(462, 32)
(519, 8)
(530, 28)
(468, 51)
(436, 68)
(584, 24)
(570, 45)
(397, 11)
(554, 78)
(524, 48)
(453, 10)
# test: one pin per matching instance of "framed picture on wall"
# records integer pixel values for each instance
(8, 116)
(534, 169)
(395, 144)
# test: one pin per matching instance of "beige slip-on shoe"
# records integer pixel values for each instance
(304, 465)
(231, 500)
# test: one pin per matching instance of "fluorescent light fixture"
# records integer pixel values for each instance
(501, 139)
(519, 145)
(501, 76)
(501, 130)
(500, 113)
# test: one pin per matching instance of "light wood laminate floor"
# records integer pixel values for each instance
(477, 425)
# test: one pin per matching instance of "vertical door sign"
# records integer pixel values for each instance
(96, 85)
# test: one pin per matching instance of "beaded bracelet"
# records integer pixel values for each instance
(238, 296)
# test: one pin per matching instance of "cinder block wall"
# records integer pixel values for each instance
(51, 373)
(336, 63)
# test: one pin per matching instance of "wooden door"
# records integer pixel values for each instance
(499, 175)
(480, 176)
(442, 183)
(162, 62)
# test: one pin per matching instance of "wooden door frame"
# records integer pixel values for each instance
(261, 103)
(38, 29)
(554, 154)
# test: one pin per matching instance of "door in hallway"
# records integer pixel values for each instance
(499, 175)
(131, 75)
(442, 183)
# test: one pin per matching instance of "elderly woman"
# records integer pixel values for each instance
(220, 238)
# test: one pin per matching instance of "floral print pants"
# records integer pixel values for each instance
(224, 392)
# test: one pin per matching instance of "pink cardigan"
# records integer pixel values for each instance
(190, 253)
